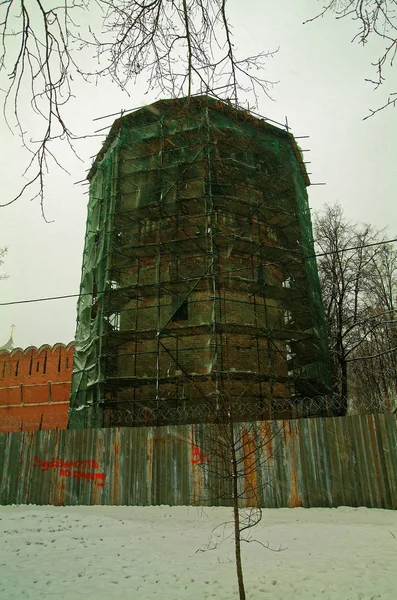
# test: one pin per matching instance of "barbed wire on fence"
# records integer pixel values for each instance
(164, 413)
(238, 410)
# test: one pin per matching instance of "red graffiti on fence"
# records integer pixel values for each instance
(57, 462)
(199, 457)
(65, 469)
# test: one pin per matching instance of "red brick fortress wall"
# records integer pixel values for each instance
(35, 387)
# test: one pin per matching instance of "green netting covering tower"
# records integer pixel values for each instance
(198, 281)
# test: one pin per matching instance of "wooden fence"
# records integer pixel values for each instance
(327, 462)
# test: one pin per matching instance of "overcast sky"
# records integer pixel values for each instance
(321, 90)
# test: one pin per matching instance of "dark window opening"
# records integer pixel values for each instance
(16, 368)
(45, 363)
(181, 310)
(37, 366)
(3, 369)
(31, 364)
(59, 360)
(67, 363)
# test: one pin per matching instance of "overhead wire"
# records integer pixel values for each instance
(317, 255)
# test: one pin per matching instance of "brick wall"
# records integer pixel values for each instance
(35, 387)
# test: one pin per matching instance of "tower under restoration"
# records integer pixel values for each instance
(199, 281)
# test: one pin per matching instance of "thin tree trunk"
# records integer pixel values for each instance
(236, 515)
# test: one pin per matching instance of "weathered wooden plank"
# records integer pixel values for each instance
(389, 444)
(307, 462)
(350, 461)
(379, 461)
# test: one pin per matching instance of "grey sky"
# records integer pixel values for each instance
(322, 91)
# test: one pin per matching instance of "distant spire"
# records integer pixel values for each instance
(10, 344)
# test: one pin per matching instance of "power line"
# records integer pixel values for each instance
(352, 248)
(31, 301)
(44, 299)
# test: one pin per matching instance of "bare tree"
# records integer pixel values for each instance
(237, 452)
(180, 47)
(376, 19)
(342, 274)
(373, 364)
(358, 278)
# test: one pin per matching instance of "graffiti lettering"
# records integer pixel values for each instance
(57, 463)
(65, 469)
(65, 472)
(199, 457)
(91, 476)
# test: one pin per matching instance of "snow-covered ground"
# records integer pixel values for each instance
(144, 553)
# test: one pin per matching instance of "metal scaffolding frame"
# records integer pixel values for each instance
(199, 258)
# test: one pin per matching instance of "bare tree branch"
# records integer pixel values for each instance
(376, 19)
(180, 47)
